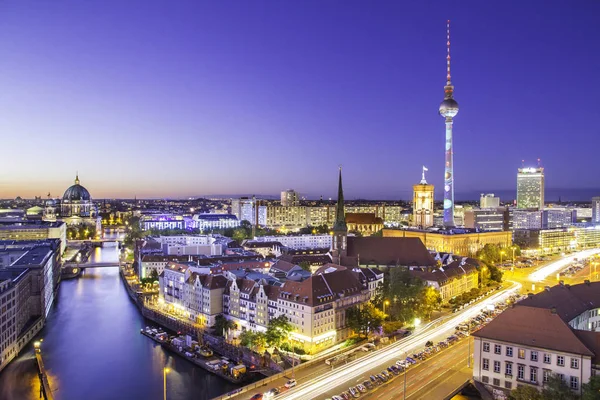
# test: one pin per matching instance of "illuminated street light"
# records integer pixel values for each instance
(385, 303)
(166, 370)
(417, 322)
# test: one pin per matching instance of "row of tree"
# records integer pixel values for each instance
(81, 232)
(277, 333)
(492, 254)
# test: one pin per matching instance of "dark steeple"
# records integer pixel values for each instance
(340, 216)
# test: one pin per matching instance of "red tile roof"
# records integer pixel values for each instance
(535, 327)
(389, 251)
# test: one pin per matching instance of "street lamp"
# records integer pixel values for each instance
(513, 248)
(385, 303)
(502, 253)
(36, 346)
(166, 370)
(417, 322)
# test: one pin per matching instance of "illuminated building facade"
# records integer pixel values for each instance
(458, 241)
(289, 198)
(596, 210)
(489, 201)
(448, 110)
(489, 219)
(423, 203)
(530, 188)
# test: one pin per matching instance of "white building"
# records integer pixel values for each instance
(596, 210)
(208, 222)
(489, 201)
(299, 241)
(289, 198)
(162, 221)
(553, 332)
(193, 244)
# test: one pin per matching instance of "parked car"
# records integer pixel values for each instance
(354, 392)
(361, 388)
(336, 398)
(257, 396)
(368, 384)
(382, 378)
(375, 380)
(291, 383)
(345, 395)
(411, 360)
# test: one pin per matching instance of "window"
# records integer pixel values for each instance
(522, 353)
(547, 358)
(575, 363)
(485, 379)
(534, 355)
(574, 382)
(509, 351)
(560, 361)
(546, 375)
(486, 346)
(508, 384)
(496, 382)
(486, 364)
(533, 374)
(508, 369)
(520, 371)
(497, 349)
(497, 367)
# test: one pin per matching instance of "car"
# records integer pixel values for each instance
(345, 395)
(257, 396)
(402, 364)
(395, 370)
(271, 393)
(386, 374)
(291, 383)
(375, 380)
(361, 388)
(382, 378)
(368, 384)
(354, 392)
(411, 360)
(336, 398)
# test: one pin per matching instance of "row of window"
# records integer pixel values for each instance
(533, 355)
(573, 380)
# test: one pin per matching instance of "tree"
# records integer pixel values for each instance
(591, 390)
(556, 388)
(379, 296)
(278, 330)
(431, 301)
(525, 392)
(221, 325)
(154, 275)
(364, 319)
(305, 265)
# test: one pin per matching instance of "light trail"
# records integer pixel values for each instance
(318, 386)
(559, 265)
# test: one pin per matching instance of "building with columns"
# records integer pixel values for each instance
(423, 203)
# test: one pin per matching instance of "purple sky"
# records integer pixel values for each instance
(184, 98)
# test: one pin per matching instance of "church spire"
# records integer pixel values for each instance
(340, 216)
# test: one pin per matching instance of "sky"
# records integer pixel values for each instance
(175, 99)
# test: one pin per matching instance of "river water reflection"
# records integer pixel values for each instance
(93, 349)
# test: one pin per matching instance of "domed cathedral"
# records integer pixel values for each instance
(75, 207)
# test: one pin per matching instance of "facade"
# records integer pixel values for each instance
(530, 188)
(556, 331)
(286, 218)
(449, 109)
(208, 245)
(161, 221)
(489, 219)
(558, 218)
(451, 280)
(299, 241)
(526, 219)
(364, 223)
(29, 277)
(34, 230)
(289, 198)
(489, 201)
(596, 210)
(423, 203)
(457, 241)
(208, 222)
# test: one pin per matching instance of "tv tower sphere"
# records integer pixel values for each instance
(449, 108)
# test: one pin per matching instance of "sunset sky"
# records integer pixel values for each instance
(185, 98)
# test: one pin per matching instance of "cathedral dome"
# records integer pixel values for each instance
(76, 193)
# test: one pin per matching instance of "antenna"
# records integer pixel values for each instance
(522, 163)
(539, 163)
(448, 56)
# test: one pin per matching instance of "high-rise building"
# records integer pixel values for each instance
(489, 201)
(289, 198)
(530, 188)
(448, 110)
(423, 203)
(596, 210)
(243, 209)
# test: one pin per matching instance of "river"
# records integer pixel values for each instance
(93, 349)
